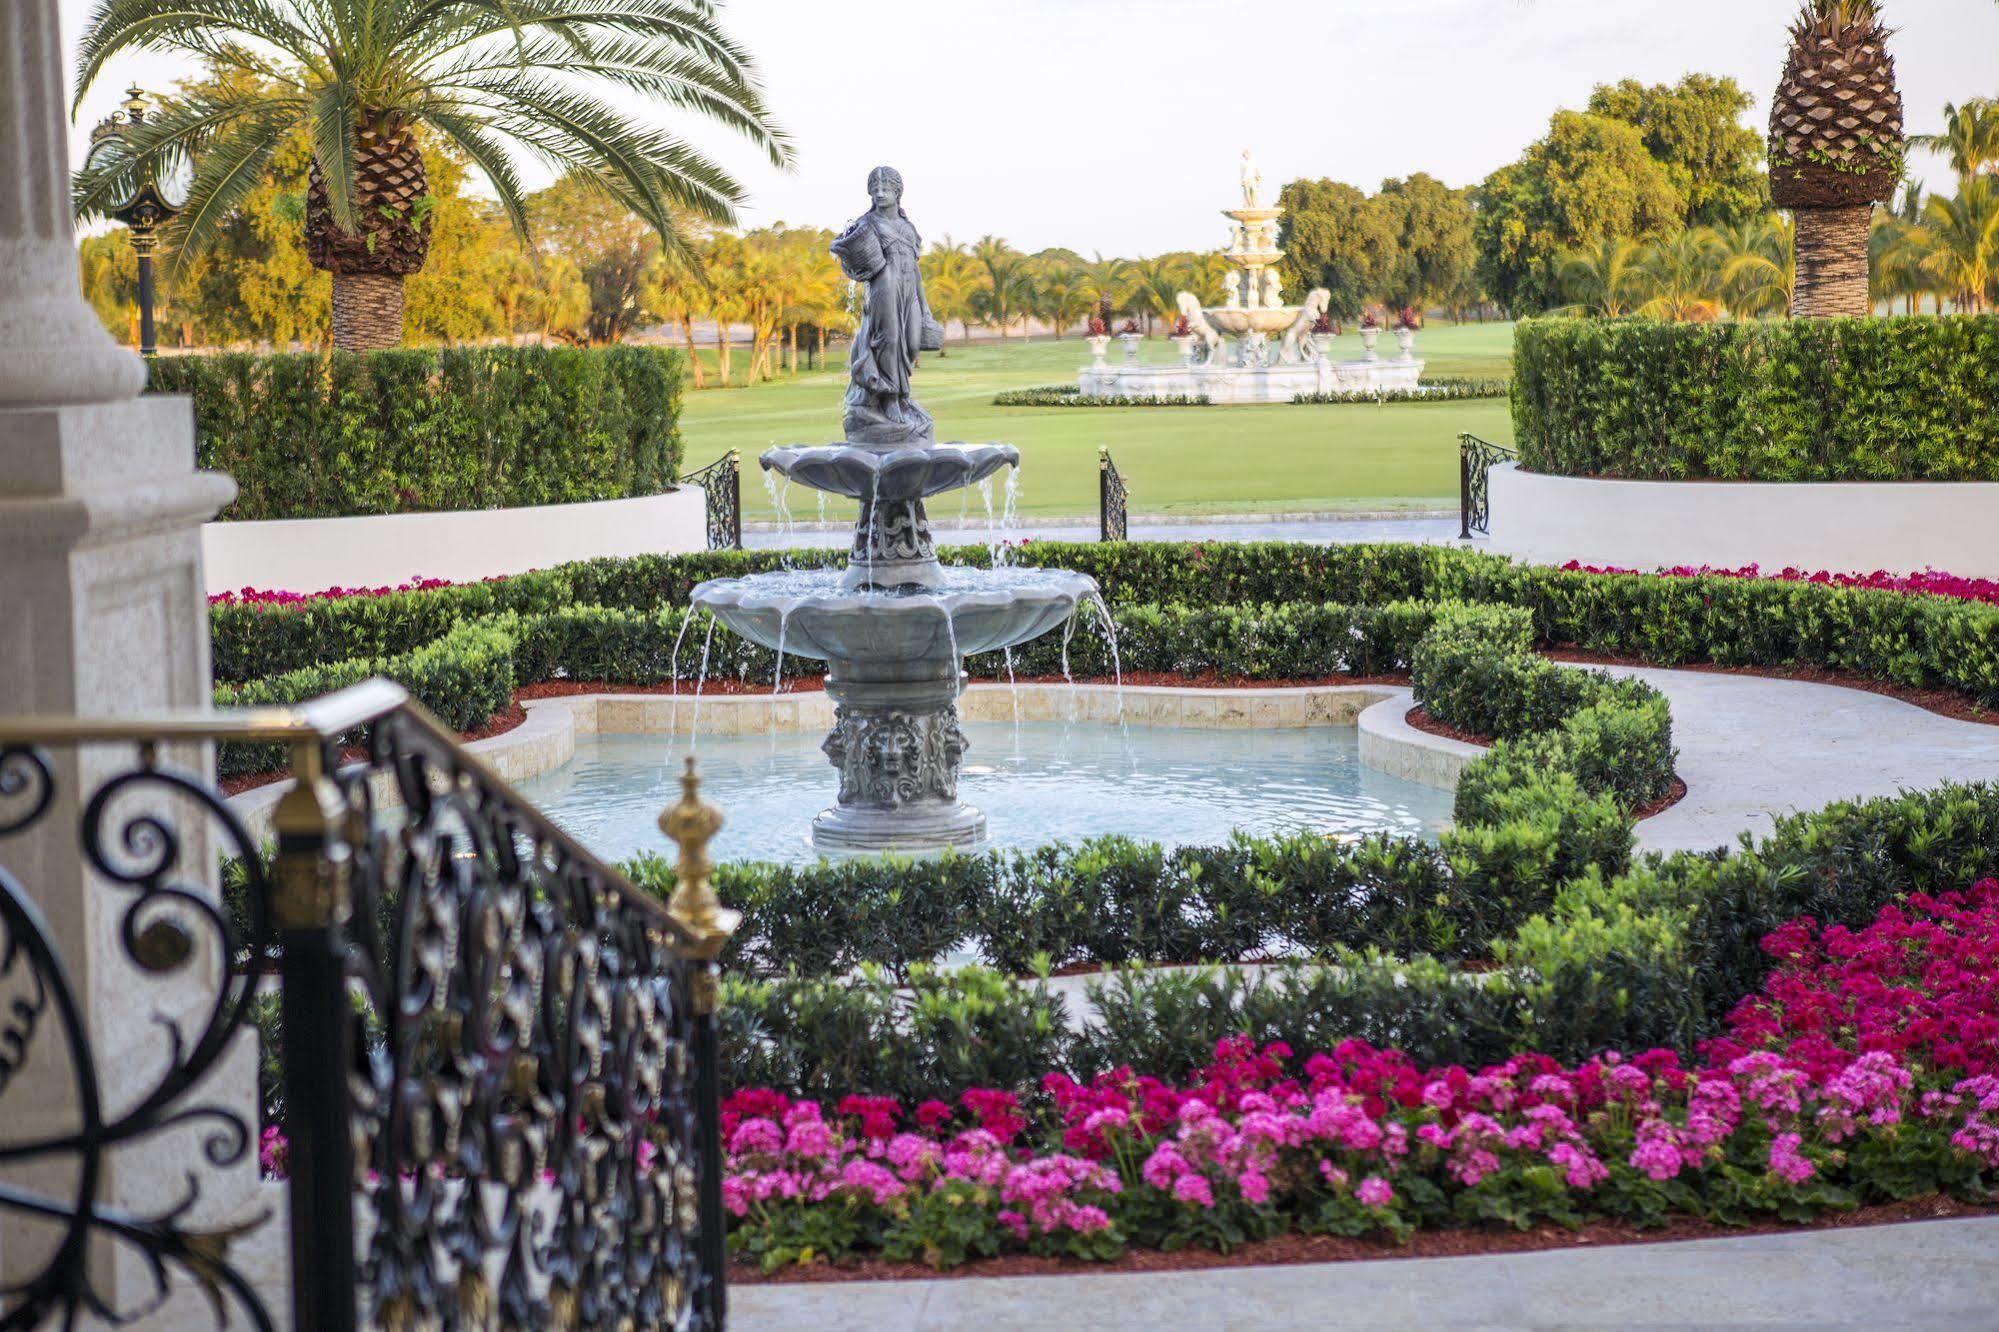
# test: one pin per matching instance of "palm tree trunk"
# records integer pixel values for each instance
(1832, 263)
(686, 322)
(367, 311)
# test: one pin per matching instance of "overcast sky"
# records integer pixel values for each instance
(1116, 125)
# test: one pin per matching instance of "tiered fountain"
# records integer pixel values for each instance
(894, 626)
(1229, 357)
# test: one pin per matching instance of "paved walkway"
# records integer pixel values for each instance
(1752, 749)
(1332, 529)
(1927, 1275)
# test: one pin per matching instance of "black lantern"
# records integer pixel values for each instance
(144, 209)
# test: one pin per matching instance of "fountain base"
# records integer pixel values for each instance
(898, 748)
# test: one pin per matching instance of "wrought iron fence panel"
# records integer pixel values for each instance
(722, 482)
(171, 929)
(499, 1058)
(525, 1097)
(1475, 462)
(1113, 517)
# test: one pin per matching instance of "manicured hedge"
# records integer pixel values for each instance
(1652, 956)
(1797, 400)
(1922, 641)
(325, 436)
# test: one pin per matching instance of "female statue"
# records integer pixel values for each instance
(880, 249)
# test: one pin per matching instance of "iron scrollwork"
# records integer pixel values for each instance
(1113, 518)
(1475, 462)
(167, 925)
(721, 482)
(526, 1097)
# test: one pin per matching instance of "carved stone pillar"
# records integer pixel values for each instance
(102, 613)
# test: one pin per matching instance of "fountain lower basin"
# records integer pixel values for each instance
(894, 669)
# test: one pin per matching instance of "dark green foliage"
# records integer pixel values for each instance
(312, 436)
(1068, 395)
(1433, 390)
(1797, 400)
(464, 677)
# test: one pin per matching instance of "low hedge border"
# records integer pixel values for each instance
(1797, 400)
(1439, 390)
(1923, 642)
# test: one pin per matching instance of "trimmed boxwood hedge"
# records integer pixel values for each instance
(308, 435)
(1924, 642)
(1797, 400)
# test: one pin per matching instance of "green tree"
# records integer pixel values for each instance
(1606, 279)
(1009, 283)
(1433, 226)
(1694, 130)
(1063, 292)
(574, 82)
(1970, 137)
(1333, 236)
(1588, 179)
(611, 248)
(951, 281)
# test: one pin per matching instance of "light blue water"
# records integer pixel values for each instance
(1039, 782)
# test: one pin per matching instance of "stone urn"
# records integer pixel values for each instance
(1185, 344)
(1099, 344)
(1368, 337)
(1405, 338)
(1130, 341)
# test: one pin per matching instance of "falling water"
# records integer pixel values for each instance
(779, 489)
(1095, 601)
(783, 619)
(1009, 517)
(701, 682)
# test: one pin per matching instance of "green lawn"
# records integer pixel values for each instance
(1189, 459)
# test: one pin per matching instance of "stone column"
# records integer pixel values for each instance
(102, 613)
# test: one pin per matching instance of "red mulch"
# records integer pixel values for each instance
(1944, 702)
(807, 683)
(1287, 1250)
(1420, 718)
(1674, 795)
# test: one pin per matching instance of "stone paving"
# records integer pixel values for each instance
(1921, 1275)
(1754, 748)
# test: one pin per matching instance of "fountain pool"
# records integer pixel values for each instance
(1038, 782)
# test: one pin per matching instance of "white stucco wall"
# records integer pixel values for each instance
(311, 554)
(1848, 526)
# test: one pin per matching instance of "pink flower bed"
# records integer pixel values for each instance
(252, 596)
(1863, 1071)
(1928, 581)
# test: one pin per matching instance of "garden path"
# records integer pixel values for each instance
(1752, 749)
(1926, 1274)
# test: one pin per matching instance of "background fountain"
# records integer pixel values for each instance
(1231, 357)
(894, 626)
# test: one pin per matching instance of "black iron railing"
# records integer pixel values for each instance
(1113, 515)
(498, 1056)
(1475, 459)
(722, 482)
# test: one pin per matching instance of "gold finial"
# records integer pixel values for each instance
(135, 104)
(691, 823)
(1103, 457)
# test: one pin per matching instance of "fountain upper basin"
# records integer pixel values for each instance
(895, 474)
(805, 613)
(1258, 319)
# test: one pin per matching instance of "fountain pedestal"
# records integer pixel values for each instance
(898, 749)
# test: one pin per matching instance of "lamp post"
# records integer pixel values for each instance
(143, 211)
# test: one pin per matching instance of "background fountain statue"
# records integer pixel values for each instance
(1236, 361)
(880, 248)
(895, 626)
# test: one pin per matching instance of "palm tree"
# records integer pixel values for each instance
(1895, 271)
(1606, 279)
(1970, 138)
(564, 81)
(1957, 244)
(951, 279)
(1682, 273)
(1110, 281)
(1835, 148)
(1758, 267)
(1156, 285)
(1063, 294)
(1009, 282)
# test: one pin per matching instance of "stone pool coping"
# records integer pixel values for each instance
(547, 739)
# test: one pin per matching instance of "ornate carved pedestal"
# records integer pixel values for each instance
(898, 749)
